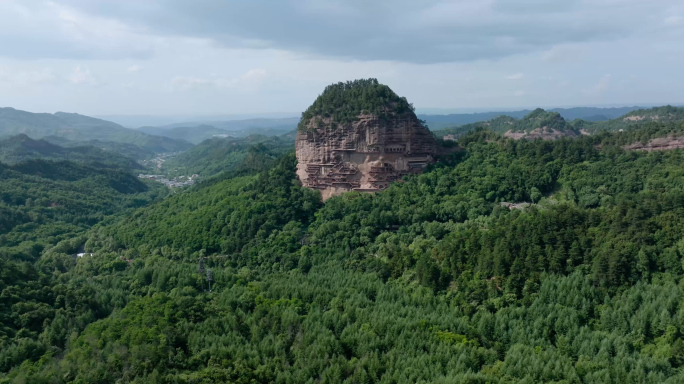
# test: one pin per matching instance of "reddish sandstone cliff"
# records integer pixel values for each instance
(363, 155)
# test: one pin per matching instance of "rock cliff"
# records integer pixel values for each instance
(658, 144)
(365, 149)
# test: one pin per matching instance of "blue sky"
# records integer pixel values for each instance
(179, 57)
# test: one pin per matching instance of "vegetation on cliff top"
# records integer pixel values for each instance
(344, 102)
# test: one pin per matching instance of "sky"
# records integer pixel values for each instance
(222, 57)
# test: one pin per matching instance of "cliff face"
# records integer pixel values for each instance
(658, 144)
(363, 155)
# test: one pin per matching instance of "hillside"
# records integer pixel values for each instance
(45, 201)
(634, 118)
(536, 124)
(20, 148)
(218, 155)
(435, 272)
(77, 127)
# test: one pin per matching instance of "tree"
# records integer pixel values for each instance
(535, 194)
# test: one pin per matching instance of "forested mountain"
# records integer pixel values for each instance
(440, 278)
(437, 122)
(246, 125)
(540, 118)
(20, 148)
(218, 155)
(198, 132)
(125, 149)
(634, 118)
(77, 127)
(43, 202)
(532, 125)
(191, 134)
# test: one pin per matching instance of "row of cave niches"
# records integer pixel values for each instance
(339, 176)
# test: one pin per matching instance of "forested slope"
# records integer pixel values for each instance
(45, 210)
(20, 148)
(217, 155)
(436, 279)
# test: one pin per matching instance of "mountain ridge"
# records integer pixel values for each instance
(20, 148)
(78, 127)
(555, 122)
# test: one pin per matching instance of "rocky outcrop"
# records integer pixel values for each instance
(658, 144)
(364, 155)
(544, 133)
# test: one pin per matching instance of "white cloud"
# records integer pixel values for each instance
(37, 29)
(28, 77)
(437, 31)
(603, 84)
(42, 76)
(188, 83)
(564, 53)
(464, 53)
(251, 80)
(673, 21)
(81, 75)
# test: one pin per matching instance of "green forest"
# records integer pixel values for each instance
(249, 278)
(21, 148)
(218, 155)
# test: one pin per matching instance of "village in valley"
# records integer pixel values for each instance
(171, 182)
(175, 182)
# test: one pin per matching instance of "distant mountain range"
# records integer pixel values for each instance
(137, 121)
(540, 119)
(75, 127)
(70, 130)
(196, 133)
(436, 122)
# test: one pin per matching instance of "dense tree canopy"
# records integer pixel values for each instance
(506, 262)
(217, 155)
